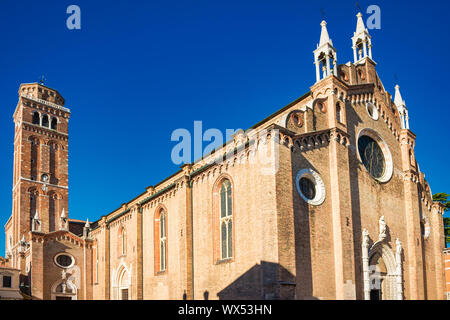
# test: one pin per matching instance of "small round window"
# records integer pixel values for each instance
(64, 260)
(310, 187)
(372, 111)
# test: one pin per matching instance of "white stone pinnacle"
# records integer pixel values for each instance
(324, 37)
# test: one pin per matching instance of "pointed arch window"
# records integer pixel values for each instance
(160, 240)
(36, 118)
(338, 113)
(123, 241)
(54, 125)
(45, 121)
(226, 220)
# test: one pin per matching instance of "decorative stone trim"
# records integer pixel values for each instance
(372, 111)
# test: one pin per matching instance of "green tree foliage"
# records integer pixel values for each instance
(444, 199)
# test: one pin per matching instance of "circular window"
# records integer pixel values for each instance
(372, 111)
(375, 155)
(64, 260)
(310, 187)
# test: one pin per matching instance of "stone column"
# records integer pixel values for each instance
(365, 260)
(317, 63)
(399, 273)
(328, 65)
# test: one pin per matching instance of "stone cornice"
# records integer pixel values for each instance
(44, 131)
(47, 103)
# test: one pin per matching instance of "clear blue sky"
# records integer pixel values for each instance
(138, 70)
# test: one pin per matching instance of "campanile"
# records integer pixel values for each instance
(40, 179)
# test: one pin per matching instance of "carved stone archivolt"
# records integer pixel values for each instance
(389, 281)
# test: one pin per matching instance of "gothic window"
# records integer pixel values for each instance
(33, 205)
(34, 142)
(162, 241)
(371, 156)
(52, 209)
(338, 113)
(226, 220)
(36, 118)
(45, 121)
(54, 124)
(122, 241)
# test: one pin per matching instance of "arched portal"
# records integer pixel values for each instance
(123, 284)
(384, 284)
(64, 290)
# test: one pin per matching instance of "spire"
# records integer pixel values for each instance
(325, 56)
(362, 43)
(86, 230)
(398, 100)
(360, 27)
(23, 238)
(36, 223)
(324, 37)
(401, 107)
(63, 220)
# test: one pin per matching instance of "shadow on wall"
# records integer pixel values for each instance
(261, 282)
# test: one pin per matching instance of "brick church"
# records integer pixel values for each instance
(323, 200)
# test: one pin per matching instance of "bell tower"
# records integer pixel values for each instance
(325, 56)
(40, 179)
(362, 41)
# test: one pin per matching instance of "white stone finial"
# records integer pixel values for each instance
(362, 43)
(398, 97)
(87, 225)
(401, 107)
(360, 27)
(63, 213)
(23, 239)
(324, 37)
(325, 55)
(36, 216)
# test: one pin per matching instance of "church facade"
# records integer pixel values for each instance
(324, 199)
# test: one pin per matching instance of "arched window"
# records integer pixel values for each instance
(36, 118)
(162, 241)
(33, 205)
(160, 233)
(338, 113)
(45, 121)
(54, 124)
(226, 220)
(122, 241)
